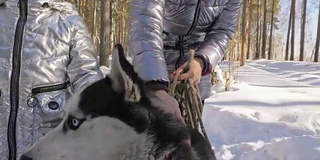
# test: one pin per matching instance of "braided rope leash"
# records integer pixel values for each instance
(187, 94)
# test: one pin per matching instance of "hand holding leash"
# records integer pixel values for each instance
(191, 69)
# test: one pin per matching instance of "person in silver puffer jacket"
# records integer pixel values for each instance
(163, 31)
(46, 54)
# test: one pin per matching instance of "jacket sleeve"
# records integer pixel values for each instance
(145, 41)
(83, 68)
(220, 34)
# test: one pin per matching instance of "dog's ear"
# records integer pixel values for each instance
(124, 79)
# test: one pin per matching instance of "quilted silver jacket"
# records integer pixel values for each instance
(46, 54)
(163, 31)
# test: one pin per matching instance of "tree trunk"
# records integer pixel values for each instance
(293, 29)
(303, 26)
(111, 42)
(264, 30)
(243, 33)
(93, 31)
(288, 35)
(87, 11)
(260, 33)
(118, 30)
(104, 32)
(257, 54)
(122, 29)
(316, 53)
(79, 7)
(249, 29)
(270, 52)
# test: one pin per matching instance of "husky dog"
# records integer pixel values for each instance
(114, 119)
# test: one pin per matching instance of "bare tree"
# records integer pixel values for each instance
(104, 32)
(293, 28)
(302, 30)
(316, 53)
(243, 33)
(257, 54)
(264, 30)
(249, 28)
(94, 19)
(110, 24)
(288, 34)
(271, 32)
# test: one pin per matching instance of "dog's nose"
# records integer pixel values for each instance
(24, 157)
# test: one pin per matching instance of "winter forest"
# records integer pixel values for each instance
(264, 98)
(267, 29)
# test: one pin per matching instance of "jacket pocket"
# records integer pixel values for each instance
(49, 98)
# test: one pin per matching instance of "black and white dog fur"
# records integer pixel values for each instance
(114, 119)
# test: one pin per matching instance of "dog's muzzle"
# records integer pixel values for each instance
(170, 156)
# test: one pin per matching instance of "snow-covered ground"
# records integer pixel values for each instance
(272, 113)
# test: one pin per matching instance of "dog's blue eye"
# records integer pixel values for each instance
(74, 123)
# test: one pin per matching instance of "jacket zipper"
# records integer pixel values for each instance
(14, 83)
(0, 97)
(51, 88)
(192, 27)
(33, 101)
(196, 16)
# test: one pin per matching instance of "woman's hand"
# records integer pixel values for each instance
(194, 72)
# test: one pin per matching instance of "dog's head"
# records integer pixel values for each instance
(102, 118)
(113, 119)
